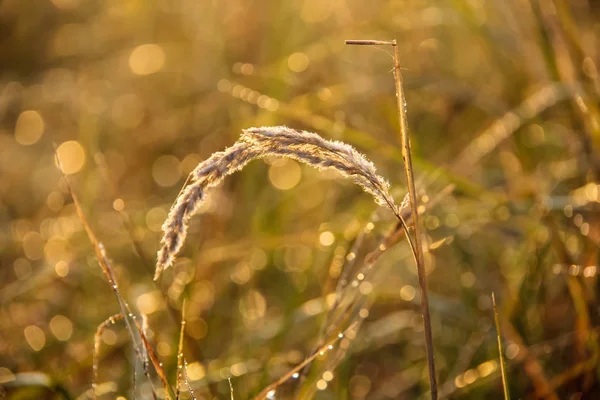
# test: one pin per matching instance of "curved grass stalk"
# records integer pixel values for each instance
(256, 143)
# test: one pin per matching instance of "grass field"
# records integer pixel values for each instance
(292, 282)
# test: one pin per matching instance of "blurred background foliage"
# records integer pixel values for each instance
(502, 102)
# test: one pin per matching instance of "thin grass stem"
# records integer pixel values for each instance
(97, 341)
(136, 332)
(416, 247)
(180, 351)
(500, 350)
(272, 387)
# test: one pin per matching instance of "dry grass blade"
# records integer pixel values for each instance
(272, 387)
(145, 327)
(500, 350)
(306, 147)
(370, 42)
(135, 331)
(412, 193)
(343, 281)
(412, 197)
(180, 351)
(155, 361)
(97, 341)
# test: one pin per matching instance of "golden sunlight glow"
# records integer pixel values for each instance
(147, 59)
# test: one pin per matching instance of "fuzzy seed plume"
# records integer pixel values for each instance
(254, 143)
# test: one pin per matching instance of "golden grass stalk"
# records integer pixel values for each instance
(140, 342)
(97, 341)
(255, 143)
(500, 350)
(412, 193)
(230, 388)
(412, 197)
(180, 351)
(326, 347)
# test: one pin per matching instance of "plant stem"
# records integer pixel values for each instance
(180, 350)
(406, 155)
(500, 350)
